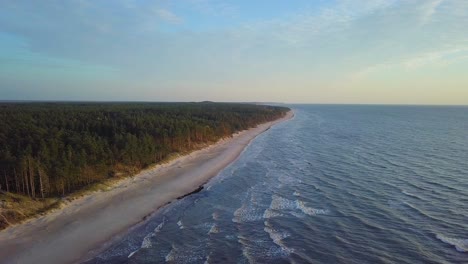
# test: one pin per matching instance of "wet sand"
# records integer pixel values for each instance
(87, 225)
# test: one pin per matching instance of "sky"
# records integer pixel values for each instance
(298, 51)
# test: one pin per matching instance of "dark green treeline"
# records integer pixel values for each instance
(51, 149)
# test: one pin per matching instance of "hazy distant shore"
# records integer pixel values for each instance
(82, 228)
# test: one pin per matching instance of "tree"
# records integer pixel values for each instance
(51, 149)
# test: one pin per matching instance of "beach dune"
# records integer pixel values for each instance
(87, 225)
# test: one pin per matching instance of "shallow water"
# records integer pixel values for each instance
(337, 184)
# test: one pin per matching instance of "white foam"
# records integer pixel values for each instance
(297, 214)
(146, 243)
(214, 229)
(133, 253)
(410, 194)
(460, 245)
(296, 193)
(286, 179)
(204, 227)
(246, 254)
(256, 197)
(247, 213)
(171, 255)
(215, 216)
(280, 203)
(180, 224)
(230, 237)
(276, 236)
(271, 213)
(275, 252)
(185, 255)
(254, 247)
(160, 226)
(310, 211)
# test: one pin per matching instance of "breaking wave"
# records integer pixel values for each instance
(460, 245)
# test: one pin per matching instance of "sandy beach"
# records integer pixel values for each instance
(86, 225)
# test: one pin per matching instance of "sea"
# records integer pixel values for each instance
(335, 184)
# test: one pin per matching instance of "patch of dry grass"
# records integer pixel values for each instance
(15, 208)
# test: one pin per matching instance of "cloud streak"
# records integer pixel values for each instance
(428, 11)
(168, 16)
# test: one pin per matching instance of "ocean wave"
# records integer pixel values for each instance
(299, 215)
(146, 243)
(160, 226)
(207, 261)
(280, 203)
(261, 250)
(185, 255)
(286, 179)
(396, 204)
(247, 255)
(133, 253)
(276, 252)
(230, 237)
(215, 216)
(460, 244)
(310, 211)
(180, 224)
(421, 212)
(257, 198)
(271, 213)
(247, 213)
(202, 227)
(214, 229)
(277, 236)
(409, 194)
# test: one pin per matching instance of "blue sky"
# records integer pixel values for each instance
(341, 51)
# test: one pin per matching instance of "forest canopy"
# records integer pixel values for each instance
(51, 149)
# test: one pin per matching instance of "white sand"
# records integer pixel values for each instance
(84, 226)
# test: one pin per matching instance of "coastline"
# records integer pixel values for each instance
(73, 233)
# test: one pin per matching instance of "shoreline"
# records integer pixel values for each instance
(85, 226)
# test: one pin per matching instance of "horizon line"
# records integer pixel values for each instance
(236, 102)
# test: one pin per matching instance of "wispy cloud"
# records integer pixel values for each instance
(440, 59)
(428, 10)
(168, 16)
(306, 26)
(214, 8)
